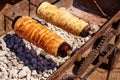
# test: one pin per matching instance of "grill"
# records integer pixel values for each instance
(26, 61)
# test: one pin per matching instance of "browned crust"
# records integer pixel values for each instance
(61, 18)
(39, 35)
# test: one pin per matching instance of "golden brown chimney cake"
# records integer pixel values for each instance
(41, 36)
(61, 18)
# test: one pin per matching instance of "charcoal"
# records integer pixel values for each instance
(34, 60)
(21, 58)
(34, 66)
(10, 44)
(21, 44)
(15, 46)
(29, 57)
(20, 49)
(17, 40)
(40, 68)
(33, 52)
(27, 50)
(26, 62)
(39, 58)
(8, 36)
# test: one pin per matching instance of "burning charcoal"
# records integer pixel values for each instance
(26, 62)
(21, 44)
(40, 68)
(17, 40)
(29, 56)
(8, 36)
(15, 46)
(53, 65)
(20, 49)
(33, 52)
(31, 67)
(34, 65)
(28, 59)
(20, 54)
(21, 58)
(48, 67)
(34, 60)
(50, 64)
(10, 44)
(27, 50)
(39, 58)
(39, 63)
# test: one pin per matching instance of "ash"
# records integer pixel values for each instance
(21, 60)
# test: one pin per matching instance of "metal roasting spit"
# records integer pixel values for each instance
(93, 50)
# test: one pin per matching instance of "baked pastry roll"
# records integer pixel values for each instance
(41, 36)
(61, 18)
